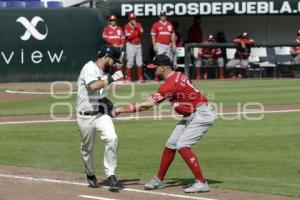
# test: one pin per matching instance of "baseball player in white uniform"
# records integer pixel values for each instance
(93, 113)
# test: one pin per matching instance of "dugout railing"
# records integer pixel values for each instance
(270, 47)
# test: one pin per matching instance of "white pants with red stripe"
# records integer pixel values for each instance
(134, 55)
(165, 49)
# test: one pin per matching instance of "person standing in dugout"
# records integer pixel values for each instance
(198, 116)
(114, 35)
(94, 113)
(163, 37)
(133, 34)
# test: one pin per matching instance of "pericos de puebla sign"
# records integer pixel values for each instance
(183, 8)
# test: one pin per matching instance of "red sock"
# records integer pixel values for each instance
(129, 77)
(166, 160)
(192, 161)
(140, 73)
(198, 73)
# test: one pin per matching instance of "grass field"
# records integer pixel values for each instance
(227, 92)
(258, 156)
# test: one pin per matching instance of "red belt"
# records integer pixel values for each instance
(135, 43)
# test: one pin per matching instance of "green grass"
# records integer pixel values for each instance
(257, 156)
(227, 92)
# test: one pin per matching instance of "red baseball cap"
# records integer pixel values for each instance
(131, 16)
(159, 60)
(112, 18)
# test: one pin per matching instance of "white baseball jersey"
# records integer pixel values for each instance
(87, 100)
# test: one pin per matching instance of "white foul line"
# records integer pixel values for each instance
(33, 92)
(45, 180)
(146, 117)
(94, 197)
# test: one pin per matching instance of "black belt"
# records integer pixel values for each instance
(88, 113)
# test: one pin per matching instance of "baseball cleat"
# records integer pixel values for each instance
(153, 184)
(197, 187)
(113, 183)
(92, 181)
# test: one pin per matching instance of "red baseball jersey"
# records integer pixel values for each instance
(179, 90)
(296, 48)
(209, 52)
(163, 32)
(133, 34)
(113, 35)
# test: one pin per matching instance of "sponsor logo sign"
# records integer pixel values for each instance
(210, 8)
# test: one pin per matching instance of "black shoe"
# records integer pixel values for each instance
(92, 181)
(113, 183)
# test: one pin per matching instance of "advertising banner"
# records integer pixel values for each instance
(203, 7)
(47, 44)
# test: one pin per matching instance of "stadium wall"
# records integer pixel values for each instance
(47, 44)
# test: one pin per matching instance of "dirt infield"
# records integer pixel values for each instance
(21, 183)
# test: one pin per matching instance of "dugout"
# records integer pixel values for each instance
(265, 21)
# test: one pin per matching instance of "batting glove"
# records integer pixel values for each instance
(116, 76)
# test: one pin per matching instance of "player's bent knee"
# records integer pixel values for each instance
(113, 141)
(171, 146)
(180, 146)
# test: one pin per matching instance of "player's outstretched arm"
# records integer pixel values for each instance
(135, 107)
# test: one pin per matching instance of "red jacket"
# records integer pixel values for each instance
(133, 34)
(206, 53)
(113, 35)
(163, 32)
(243, 53)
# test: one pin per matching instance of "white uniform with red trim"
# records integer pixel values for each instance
(133, 44)
(163, 32)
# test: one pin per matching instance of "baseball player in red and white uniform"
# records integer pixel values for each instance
(198, 116)
(133, 34)
(295, 51)
(241, 61)
(209, 56)
(114, 35)
(163, 36)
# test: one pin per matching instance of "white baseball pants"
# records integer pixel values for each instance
(165, 48)
(134, 55)
(88, 126)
